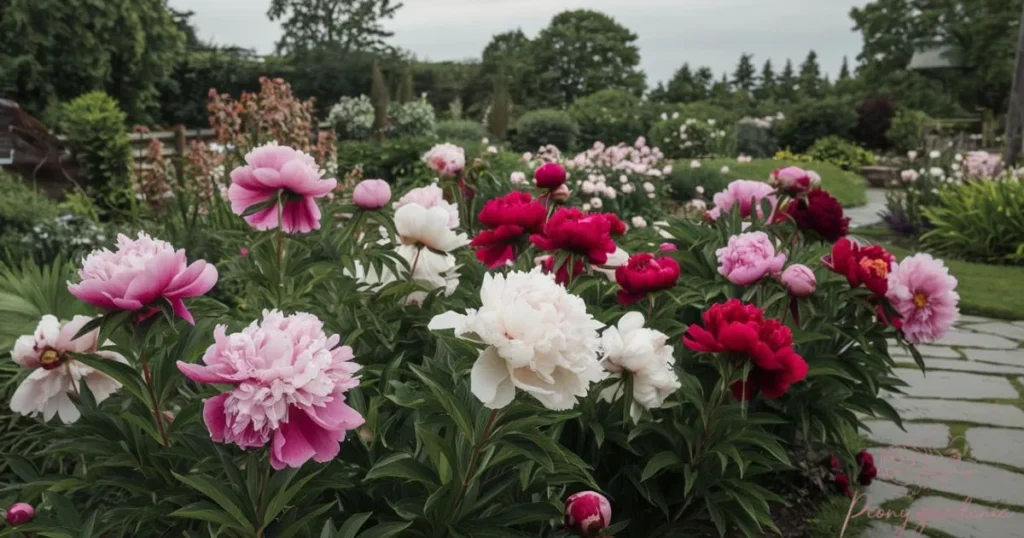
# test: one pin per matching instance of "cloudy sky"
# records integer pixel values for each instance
(701, 32)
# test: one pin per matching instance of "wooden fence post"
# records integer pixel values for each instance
(180, 148)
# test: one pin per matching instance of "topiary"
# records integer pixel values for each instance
(820, 119)
(546, 126)
(610, 116)
(459, 130)
(95, 128)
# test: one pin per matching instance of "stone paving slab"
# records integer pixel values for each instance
(965, 520)
(961, 338)
(917, 435)
(947, 411)
(884, 530)
(927, 351)
(972, 366)
(967, 318)
(997, 445)
(999, 328)
(880, 492)
(955, 385)
(1013, 357)
(950, 475)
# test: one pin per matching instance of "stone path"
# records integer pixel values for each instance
(958, 469)
(867, 214)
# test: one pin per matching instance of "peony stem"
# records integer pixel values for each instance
(650, 307)
(474, 459)
(158, 415)
(264, 471)
(415, 261)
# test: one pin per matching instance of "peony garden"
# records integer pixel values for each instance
(757, 312)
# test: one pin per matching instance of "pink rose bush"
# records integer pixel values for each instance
(749, 257)
(140, 275)
(289, 379)
(286, 181)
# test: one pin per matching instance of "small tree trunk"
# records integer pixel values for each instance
(1014, 136)
(379, 97)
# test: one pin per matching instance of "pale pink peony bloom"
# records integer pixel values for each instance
(56, 375)
(638, 222)
(371, 194)
(446, 159)
(799, 280)
(140, 273)
(273, 171)
(909, 176)
(428, 197)
(924, 293)
(746, 195)
(517, 178)
(749, 257)
(290, 380)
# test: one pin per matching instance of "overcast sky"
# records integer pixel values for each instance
(701, 32)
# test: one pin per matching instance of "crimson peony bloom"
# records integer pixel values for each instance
(550, 176)
(509, 219)
(732, 326)
(588, 513)
(644, 274)
(589, 234)
(868, 472)
(820, 213)
(869, 266)
(279, 175)
(842, 483)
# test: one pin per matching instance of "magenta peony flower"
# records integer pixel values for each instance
(588, 512)
(19, 514)
(289, 379)
(140, 273)
(749, 257)
(746, 195)
(924, 293)
(371, 194)
(446, 159)
(273, 171)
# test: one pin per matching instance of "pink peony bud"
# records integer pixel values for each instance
(561, 194)
(799, 280)
(665, 247)
(19, 514)
(793, 180)
(243, 252)
(588, 512)
(371, 194)
(550, 176)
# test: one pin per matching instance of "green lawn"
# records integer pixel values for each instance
(985, 290)
(847, 187)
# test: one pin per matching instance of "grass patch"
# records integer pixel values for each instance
(849, 188)
(985, 290)
(831, 517)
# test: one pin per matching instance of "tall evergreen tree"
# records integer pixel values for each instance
(844, 71)
(702, 81)
(810, 76)
(786, 84)
(406, 91)
(720, 90)
(745, 76)
(684, 87)
(497, 120)
(379, 98)
(767, 88)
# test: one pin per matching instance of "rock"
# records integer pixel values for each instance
(879, 176)
(1012, 332)
(961, 338)
(972, 366)
(1013, 357)
(927, 351)
(945, 410)
(955, 385)
(997, 445)
(964, 518)
(950, 475)
(917, 435)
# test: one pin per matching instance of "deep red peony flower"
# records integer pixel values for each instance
(861, 265)
(509, 219)
(550, 176)
(644, 274)
(821, 213)
(868, 472)
(735, 327)
(842, 484)
(562, 275)
(589, 234)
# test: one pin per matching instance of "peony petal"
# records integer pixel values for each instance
(290, 447)
(207, 374)
(490, 381)
(737, 337)
(160, 271)
(181, 311)
(215, 416)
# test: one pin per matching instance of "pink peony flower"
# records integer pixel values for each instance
(140, 273)
(371, 194)
(749, 257)
(794, 180)
(428, 197)
(19, 514)
(289, 380)
(446, 159)
(924, 293)
(279, 172)
(588, 512)
(746, 195)
(664, 247)
(799, 280)
(55, 373)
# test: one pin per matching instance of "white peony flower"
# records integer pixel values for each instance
(648, 186)
(539, 339)
(418, 225)
(935, 171)
(695, 164)
(935, 154)
(628, 188)
(638, 222)
(911, 155)
(724, 170)
(56, 375)
(492, 149)
(517, 178)
(428, 197)
(596, 203)
(643, 353)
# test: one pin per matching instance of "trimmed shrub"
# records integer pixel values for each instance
(980, 221)
(609, 116)
(352, 118)
(459, 130)
(841, 153)
(907, 130)
(414, 118)
(874, 118)
(820, 119)
(546, 126)
(95, 127)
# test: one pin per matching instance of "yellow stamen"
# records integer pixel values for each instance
(50, 357)
(875, 266)
(920, 300)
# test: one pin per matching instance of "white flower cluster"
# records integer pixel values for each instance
(352, 117)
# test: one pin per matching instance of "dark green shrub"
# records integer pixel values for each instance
(22, 208)
(907, 130)
(684, 180)
(459, 130)
(842, 153)
(755, 140)
(609, 116)
(95, 127)
(547, 126)
(820, 119)
(387, 160)
(874, 117)
(979, 221)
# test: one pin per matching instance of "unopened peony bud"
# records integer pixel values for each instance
(799, 280)
(665, 247)
(550, 176)
(588, 513)
(371, 194)
(561, 194)
(243, 252)
(21, 513)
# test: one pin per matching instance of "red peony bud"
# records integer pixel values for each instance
(588, 513)
(550, 176)
(19, 514)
